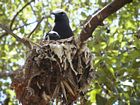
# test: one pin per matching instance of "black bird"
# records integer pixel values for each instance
(62, 26)
(52, 35)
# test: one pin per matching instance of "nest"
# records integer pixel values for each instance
(54, 71)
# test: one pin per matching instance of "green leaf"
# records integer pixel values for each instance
(92, 95)
(100, 100)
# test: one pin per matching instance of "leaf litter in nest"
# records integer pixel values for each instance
(56, 71)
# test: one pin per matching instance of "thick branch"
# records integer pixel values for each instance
(98, 18)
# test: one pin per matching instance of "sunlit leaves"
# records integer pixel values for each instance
(117, 58)
(117, 52)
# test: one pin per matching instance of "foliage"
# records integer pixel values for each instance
(115, 45)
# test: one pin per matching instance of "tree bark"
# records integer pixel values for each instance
(97, 19)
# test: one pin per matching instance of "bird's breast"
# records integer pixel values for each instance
(63, 30)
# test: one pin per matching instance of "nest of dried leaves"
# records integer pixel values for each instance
(55, 71)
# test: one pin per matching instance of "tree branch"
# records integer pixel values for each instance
(22, 40)
(10, 32)
(26, 24)
(4, 34)
(35, 28)
(12, 22)
(98, 18)
(5, 73)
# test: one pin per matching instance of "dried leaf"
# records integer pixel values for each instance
(56, 91)
(46, 97)
(58, 69)
(69, 88)
(63, 89)
(58, 50)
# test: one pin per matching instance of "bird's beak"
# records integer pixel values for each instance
(53, 13)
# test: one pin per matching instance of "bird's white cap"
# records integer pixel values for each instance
(58, 11)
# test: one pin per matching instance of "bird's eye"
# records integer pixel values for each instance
(62, 13)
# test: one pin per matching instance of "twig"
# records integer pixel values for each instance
(4, 34)
(22, 40)
(35, 27)
(33, 9)
(19, 12)
(25, 25)
(98, 18)
(12, 22)
(6, 73)
(10, 32)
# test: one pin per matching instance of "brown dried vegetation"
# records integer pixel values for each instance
(54, 71)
